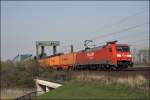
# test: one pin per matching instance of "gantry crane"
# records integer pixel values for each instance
(42, 44)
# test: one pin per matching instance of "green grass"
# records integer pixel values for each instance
(95, 90)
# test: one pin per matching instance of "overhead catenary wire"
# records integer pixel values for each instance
(118, 22)
(113, 24)
(120, 37)
(139, 40)
(123, 30)
(142, 43)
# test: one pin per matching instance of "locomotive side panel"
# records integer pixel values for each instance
(81, 58)
(114, 58)
(103, 55)
(110, 54)
(98, 56)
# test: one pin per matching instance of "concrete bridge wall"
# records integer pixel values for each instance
(43, 86)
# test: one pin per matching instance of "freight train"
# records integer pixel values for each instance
(111, 56)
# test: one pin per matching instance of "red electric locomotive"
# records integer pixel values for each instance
(109, 56)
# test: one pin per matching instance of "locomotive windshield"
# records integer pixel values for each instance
(122, 49)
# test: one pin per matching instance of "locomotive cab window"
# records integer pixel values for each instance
(122, 49)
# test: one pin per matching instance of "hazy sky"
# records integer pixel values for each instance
(24, 22)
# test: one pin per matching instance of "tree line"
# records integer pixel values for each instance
(21, 74)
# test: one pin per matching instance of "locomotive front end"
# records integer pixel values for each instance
(124, 57)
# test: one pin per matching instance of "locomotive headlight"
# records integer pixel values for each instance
(118, 55)
(128, 55)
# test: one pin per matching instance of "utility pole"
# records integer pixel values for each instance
(134, 55)
(71, 47)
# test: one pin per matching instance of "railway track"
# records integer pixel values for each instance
(140, 68)
(146, 69)
(123, 74)
(131, 72)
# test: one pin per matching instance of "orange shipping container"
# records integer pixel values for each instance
(42, 62)
(47, 61)
(55, 61)
(68, 59)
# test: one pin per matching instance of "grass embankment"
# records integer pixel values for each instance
(95, 90)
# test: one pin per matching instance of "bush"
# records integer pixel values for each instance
(20, 74)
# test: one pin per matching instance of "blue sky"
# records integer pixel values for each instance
(24, 22)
